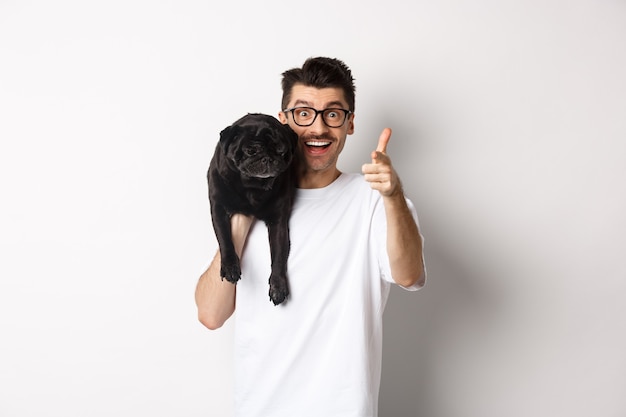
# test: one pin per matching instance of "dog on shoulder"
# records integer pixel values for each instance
(252, 172)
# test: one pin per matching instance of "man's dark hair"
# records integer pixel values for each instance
(320, 72)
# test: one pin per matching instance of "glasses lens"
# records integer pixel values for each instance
(303, 116)
(334, 117)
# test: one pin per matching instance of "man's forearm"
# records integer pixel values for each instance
(404, 243)
(215, 297)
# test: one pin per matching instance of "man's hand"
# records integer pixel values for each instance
(380, 173)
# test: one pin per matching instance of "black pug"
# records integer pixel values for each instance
(253, 172)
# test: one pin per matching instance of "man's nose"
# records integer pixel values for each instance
(318, 127)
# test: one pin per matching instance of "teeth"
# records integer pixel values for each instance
(317, 143)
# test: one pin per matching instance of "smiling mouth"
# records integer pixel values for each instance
(317, 143)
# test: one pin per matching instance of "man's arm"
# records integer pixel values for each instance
(404, 243)
(215, 297)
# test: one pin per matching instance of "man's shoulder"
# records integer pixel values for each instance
(354, 180)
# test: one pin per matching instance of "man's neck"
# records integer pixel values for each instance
(317, 179)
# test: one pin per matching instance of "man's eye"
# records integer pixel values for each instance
(332, 114)
(303, 113)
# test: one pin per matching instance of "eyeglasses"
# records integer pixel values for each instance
(305, 116)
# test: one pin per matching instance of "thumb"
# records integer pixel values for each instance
(383, 140)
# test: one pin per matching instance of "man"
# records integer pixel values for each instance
(352, 237)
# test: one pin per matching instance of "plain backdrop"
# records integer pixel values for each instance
(509, 132)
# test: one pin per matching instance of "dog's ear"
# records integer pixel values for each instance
(228, 133)
(288, 132)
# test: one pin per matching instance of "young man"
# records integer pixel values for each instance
(352, 237)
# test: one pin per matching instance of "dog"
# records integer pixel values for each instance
(252, 172)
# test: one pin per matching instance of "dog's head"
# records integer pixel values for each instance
(259, 146)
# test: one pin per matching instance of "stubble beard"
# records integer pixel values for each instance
(327, 161)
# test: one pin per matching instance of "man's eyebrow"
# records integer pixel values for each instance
(335, 104)
(331, 104)
(301, 102)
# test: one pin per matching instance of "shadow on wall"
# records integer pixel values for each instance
(421, 328)
(418, 328)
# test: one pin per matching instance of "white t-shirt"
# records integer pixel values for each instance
(319, 353)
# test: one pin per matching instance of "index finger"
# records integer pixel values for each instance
(383, 140)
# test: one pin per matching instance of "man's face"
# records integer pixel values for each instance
(319, 146)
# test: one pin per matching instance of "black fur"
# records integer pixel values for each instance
(252, 172)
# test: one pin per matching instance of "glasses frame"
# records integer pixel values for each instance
(317, 113)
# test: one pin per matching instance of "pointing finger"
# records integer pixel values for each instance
(383, 140)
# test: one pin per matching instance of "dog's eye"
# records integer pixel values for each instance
(281, 150)
(253, 149)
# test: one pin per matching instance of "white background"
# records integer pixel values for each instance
(509, 123)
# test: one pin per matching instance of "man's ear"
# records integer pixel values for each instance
(282, 117)
(351, 124)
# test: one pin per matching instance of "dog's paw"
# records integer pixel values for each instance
(230, 272)
(279, 289)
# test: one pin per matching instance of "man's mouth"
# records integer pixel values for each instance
(317, 144)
